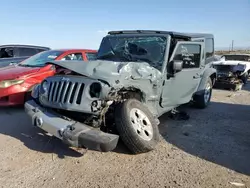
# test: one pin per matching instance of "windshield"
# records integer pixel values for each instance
(40, 59)
(150, 49)
(237, 57)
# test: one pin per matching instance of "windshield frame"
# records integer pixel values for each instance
(37, 57)
(165, 53)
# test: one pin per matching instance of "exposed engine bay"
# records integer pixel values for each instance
(232, 71)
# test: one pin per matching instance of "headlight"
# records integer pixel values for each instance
(35, 92)
(241, 67)
(95, 90)
(45, 86)
(8, 83)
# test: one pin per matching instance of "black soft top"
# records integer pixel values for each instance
(172, 33)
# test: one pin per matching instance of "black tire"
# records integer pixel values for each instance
(199, 100)
(244, 78)
(134, 140)
(27, 96)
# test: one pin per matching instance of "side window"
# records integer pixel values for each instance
(27, 51)
(73, 57)
(190, 54)
(40, 50)
(91, 56)
(6, 52)
(209, 47)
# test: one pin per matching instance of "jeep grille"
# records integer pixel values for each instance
(65, 92)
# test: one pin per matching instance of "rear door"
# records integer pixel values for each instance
(179, 89)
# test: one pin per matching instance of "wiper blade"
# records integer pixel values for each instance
(23, 65)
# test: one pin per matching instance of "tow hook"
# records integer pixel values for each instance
(38, 122)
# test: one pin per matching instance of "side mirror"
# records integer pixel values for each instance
(174, 67)
(177, 66)
(13, 63)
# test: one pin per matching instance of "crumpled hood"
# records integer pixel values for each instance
(111, 71)
(13, 72)
(230, 62)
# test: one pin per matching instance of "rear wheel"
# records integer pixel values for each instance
(203, 100)
(136, 126)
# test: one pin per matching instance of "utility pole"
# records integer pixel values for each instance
(232, 45)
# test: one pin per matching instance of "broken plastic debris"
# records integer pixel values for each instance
(28, 136)
(237, 184)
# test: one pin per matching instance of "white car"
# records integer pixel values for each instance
(233, 68)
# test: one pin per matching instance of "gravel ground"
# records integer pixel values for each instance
(211, 149)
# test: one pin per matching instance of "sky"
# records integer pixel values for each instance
(83, 23)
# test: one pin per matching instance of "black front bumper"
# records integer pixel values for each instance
(71, 132)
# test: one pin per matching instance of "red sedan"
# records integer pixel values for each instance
(16, 81)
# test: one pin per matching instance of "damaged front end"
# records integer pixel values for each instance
(79, 107)
(73, 109)
(229, 76)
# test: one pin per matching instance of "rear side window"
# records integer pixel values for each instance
(6, 52)
(209, 47)
(73, 57)
(27, 51)
(91, 56)
(40, 50)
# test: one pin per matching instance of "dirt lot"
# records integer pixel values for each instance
(211, 149)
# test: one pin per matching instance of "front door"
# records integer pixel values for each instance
(180, 87)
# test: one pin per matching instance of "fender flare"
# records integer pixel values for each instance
(208, 73)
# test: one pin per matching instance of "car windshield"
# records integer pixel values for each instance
(237, 57)
(150, 49)
(40, 59)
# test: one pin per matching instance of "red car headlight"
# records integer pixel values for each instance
(8, 83)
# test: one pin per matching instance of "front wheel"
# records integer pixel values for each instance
(203, 100)
(136, 126)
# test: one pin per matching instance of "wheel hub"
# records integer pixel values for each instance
(207, 93)
(141, 124)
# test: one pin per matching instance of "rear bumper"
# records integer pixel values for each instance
(70, 132)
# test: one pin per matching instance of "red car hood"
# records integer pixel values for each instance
(13, 72)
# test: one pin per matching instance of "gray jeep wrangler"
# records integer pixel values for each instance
(138, 76)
